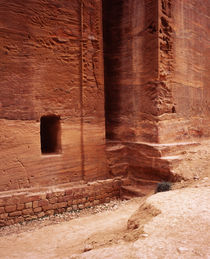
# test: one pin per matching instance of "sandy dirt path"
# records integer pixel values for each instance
(180, 231)
(173, 224)
(66, 238)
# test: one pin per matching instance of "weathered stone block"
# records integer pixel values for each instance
(38, 209)
(49, 212)
(53, 200)
(69, 192)
(9, 222)
(69, 209)
(15, 213)
(96, 202)
(81, 206)
(29, 218)
(10, 208)
(28, 205)
(20, 206)
(35, 204)
(87, 204)
(70, 202)
(12, 201)
(41, 214)
(62, 205)
(19, 220)
(3, 216)
(2, 210)
(75, 207)
(27, 212)
(43, 203)
(61, 199)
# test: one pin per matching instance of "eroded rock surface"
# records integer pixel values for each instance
(53, 123)
(51, 63)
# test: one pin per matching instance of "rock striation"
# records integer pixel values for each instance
(156, 84)
(97, 90)
(51, 64)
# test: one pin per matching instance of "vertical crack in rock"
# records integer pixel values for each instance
(95, 46)
(27, 179)
(164, 100)
(165, 41)
(81, 93)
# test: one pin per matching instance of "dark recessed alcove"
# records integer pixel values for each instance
(113, 45)
(50, 133)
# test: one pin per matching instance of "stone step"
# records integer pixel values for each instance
(128, 192)
(174, 149)
(127, 197)
(143, 182)
(137, 187)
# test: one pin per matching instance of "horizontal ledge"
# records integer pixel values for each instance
(153, 144)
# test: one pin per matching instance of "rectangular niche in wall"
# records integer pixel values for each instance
(50, 133)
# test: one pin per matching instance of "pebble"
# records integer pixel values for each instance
(182, 249)
(88, 247)
(144, 235)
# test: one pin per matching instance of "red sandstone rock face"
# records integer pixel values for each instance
(156, 76)
(184, 62)
(157, 70)
(131, 63)
(157, 82)
(51, 63)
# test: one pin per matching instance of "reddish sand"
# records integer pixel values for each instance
(173, 224)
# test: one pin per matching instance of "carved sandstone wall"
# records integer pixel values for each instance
(51, 63)
(156, 57)
(157, 84)
(184, 66)
(157, 70)
(131, 64)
